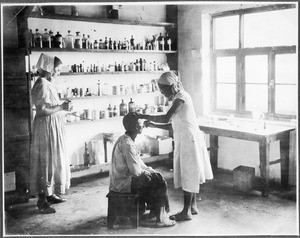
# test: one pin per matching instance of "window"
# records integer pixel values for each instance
(254, 61)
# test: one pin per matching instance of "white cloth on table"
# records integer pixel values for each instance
(49, 163)
(191, 160)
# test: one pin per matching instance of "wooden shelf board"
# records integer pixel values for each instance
(103, 51)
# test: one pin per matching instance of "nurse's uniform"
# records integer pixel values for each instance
(191, 160)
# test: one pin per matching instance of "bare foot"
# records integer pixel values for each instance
(194, 210)
(181, 217)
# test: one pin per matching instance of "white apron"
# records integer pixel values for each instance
(49, 163)
(191, 160)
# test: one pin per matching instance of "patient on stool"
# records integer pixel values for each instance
(129, 174)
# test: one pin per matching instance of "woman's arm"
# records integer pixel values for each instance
(167, 126)
(46, 110)
(177, 104)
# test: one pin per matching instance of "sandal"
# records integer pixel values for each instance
(166, 223)
(45, 207)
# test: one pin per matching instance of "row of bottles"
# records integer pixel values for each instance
(105, 89)
(121, 110)
(49, 40)
(138, 65)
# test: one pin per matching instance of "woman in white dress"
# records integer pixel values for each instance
(49, 164)
(191, 160)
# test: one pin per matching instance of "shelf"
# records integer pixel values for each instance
(109, 96)
(117, 72)
(99, 20)
(101, 168)
(118, 118)
(103, 51)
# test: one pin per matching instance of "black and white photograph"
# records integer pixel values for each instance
(149, 118)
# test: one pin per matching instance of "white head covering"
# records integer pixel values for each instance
(170, 78)
(46, 63)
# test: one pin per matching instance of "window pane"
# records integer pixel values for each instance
(286, 68)
(256, 69)
(256, 98)
(226, 94)
(272, 28)
(227, 32)
(226, 69)
(286, 99)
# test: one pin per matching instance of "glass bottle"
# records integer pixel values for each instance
(110, 111)
(115, 111)
(69, 40)
(114, 45)
(86, 156)
(84, 42)
(123, 108)
(51, 38)
(110, 44)
(37, 39)
(166, 41)
(78, 41)
(154, 43)
(132, 43)
(58, 40)
(31, 43)
(159, 40)
(101, 44)
(105, 43)
(131, 106)
(95, 44)
(46, 40)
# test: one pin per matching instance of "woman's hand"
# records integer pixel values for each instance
(67, 105)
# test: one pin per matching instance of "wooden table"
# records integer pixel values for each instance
(263, 136)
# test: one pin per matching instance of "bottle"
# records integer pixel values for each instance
(162, 43)
(51, 38)
(141, 64)
(78, 41)
(110, 44)
(105, 43)
(99, 88)
(110, 111)
(84, 42)
(132, 43)
(95, 44)
(123, 108)
(89, 42)
(115, 111)
(46, 40)
(69, 40)
(58, 40)
(31, 39)
(86, 156)
(131, 106)
(37, 39)
(114, 45)
(159, 40)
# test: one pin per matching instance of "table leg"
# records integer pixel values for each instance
(285, 159)
(213, 148)
(264, 157)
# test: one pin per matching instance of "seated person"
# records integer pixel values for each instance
(129, 174)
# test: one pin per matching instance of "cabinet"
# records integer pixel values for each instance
(106, 86)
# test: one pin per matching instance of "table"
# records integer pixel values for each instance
(263, 136)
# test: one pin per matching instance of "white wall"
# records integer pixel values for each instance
(193, 53)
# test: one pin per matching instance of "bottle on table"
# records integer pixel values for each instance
(110, 111)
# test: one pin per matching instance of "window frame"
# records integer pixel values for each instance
(240, 53)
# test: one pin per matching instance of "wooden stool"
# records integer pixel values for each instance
(122, 204)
